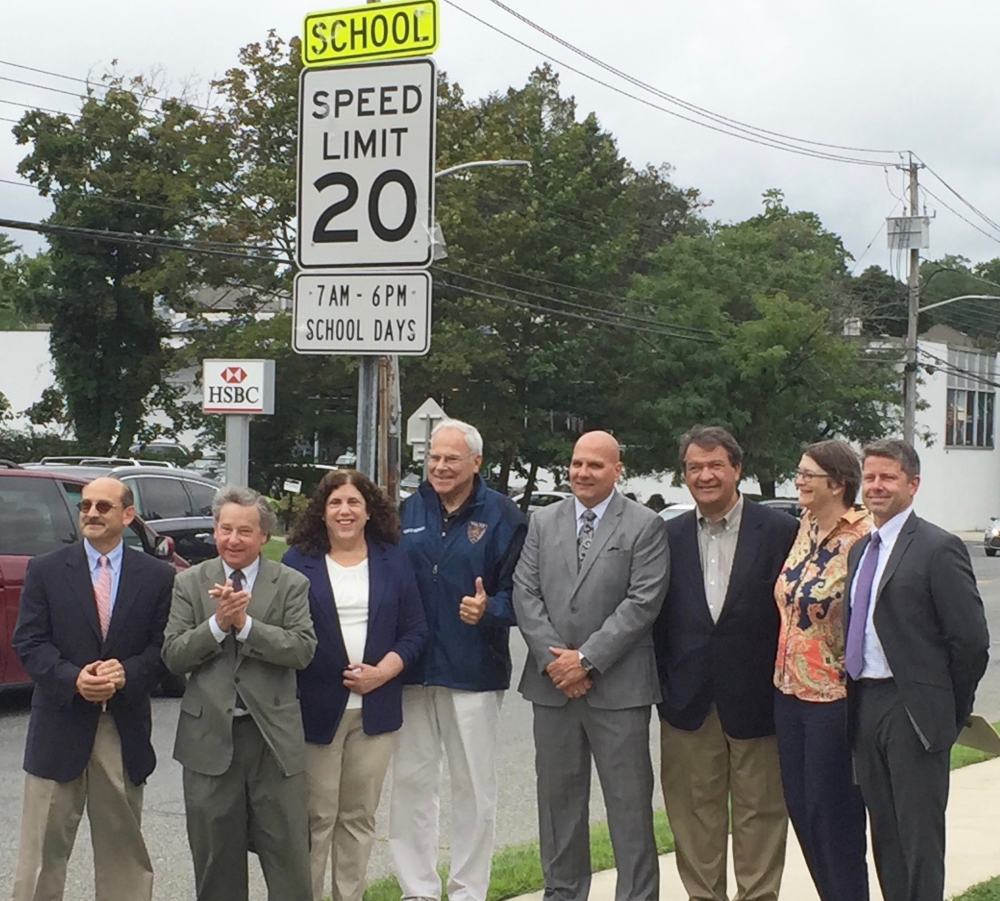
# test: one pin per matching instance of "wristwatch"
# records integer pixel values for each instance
(585, 663)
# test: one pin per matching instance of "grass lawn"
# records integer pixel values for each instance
(985, 891)
(516, 869)
(275, 548)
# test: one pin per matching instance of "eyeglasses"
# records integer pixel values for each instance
(806, 475)
(449, 460)
(102, 507)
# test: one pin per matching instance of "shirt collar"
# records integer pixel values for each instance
(114, 555)
(889, 531)
(249, 572)
(598, 509)
(730, 520)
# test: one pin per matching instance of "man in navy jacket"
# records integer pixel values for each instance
(463, 540)
(89, 631)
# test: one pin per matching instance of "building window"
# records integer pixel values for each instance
(971, 399)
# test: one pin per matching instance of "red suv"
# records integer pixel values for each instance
(38, 515)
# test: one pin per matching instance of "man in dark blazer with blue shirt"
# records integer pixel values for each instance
(89, 631)
(916, 647)
(715, 641)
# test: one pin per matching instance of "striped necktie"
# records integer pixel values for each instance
(102, 594)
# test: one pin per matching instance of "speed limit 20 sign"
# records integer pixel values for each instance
(366, 165)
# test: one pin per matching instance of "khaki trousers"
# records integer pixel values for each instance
(50, 817)
(705, 771)
(345, 780)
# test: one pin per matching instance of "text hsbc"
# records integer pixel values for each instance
(233, 394)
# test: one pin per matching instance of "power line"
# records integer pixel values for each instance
(603, 312)
(968, 203)
(965, 219)
(31, 107)
(43, 87)
(717, 117)
(566, 314)
(764, 141)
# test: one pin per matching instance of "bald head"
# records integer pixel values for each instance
(595, 467)
(109, 510)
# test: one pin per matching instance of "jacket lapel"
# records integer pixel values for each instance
(903, 541)
(128, 589)
(605, 529)
(747, 548)
(853, 558)
(376, 581)
(83, 586)
(691, 554)
(567, 534)
(265, 589)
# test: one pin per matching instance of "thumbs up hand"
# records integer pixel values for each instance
(472, 607)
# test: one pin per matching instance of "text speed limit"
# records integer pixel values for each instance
(366, 165)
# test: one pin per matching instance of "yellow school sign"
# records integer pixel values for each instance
(373, 31)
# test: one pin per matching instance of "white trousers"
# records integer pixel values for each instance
(464, 725)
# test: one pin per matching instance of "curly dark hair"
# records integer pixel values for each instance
(308, 532)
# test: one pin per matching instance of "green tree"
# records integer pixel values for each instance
(126, 164)
(774, 291)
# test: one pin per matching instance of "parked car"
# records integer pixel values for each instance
(786, 504)
(991, 540)
(38, 515)
(177, 502)
(669, 512)
(541, 499)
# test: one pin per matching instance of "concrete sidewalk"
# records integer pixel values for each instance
(973, 849)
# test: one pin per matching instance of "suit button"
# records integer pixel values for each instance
(572, 609)
(237, 680)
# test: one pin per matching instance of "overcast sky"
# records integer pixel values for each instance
(921, 75)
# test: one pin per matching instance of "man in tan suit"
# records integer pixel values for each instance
(239, 628)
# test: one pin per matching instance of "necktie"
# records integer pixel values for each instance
(237, 579)
(854, 651)
(586, 536)
(102, 594)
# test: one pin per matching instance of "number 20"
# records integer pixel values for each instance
(324, 235)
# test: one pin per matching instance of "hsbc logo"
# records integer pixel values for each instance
(238, 386)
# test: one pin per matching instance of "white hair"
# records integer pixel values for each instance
(473, 440)
(246, 497)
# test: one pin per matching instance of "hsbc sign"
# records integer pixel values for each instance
(238, 386)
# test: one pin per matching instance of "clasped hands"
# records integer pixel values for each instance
(98, 681)
(568, 674)
(231, 606)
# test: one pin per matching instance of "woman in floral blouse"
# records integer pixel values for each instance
(810, 708)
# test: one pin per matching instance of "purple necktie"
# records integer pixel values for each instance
(854, 652)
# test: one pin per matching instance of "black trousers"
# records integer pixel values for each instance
(905, 788)
(824, 804)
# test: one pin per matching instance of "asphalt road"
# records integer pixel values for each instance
(516, 821)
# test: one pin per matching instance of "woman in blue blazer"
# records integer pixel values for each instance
(370, 627)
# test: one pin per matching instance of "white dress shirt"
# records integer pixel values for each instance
(249, 577)
(599, 511)
(875, 664)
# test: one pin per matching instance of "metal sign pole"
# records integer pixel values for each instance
(367, 415)
(237, 449)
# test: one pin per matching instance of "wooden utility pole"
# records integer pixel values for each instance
(913, 316)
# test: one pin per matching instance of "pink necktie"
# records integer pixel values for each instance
(102, 594)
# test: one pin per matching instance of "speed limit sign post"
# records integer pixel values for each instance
(366, 165)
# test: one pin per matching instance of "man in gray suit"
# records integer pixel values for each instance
(240, 627)
(587, 591)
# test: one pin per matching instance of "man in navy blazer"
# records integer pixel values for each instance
(715, 642)
(89, 631)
